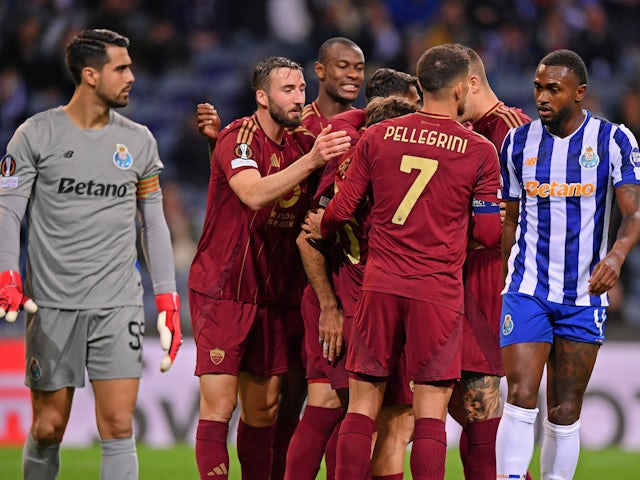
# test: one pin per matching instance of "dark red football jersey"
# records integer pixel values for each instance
(312, 118)
(422, 171)
(244, 254)
(498, 121)
(352, 121)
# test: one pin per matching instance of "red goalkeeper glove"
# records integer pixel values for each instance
(11, 297)
(168, 305)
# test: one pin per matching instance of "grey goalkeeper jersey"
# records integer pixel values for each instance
(83, 187)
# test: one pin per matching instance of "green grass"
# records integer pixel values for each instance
(179, 463)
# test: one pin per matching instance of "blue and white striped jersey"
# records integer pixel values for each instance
(565, 188)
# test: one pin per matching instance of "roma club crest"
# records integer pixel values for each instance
(122, 157)
(216, 355)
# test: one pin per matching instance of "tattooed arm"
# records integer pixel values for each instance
(606, 272)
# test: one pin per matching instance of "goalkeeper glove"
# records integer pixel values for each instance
(168, 305)
(11, 297)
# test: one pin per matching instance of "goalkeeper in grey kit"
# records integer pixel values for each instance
(85, 172)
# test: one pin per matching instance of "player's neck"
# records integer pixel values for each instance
(273, 130)
(486, 103)
(569, 126)
(440, 107)
(86, 112)
(329, 106)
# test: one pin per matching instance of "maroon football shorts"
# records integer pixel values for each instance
(382, 323)
(233, 336)
(319, 370)
(483, 279)
(398, 391)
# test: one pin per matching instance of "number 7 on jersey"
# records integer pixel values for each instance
(427, 168)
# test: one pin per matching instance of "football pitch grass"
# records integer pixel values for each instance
(178, 463)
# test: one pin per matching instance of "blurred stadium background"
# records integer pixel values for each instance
(188, 51)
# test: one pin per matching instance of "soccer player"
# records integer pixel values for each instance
(327, 376)
(476, 403)
(85, 172)
(412, 295)
(340, 71)
(245, 271)
(560, 174)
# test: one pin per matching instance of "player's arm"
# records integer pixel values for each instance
(156, 246)
(330, 321)
(512, 212)
(486, 201)
(12, 209)
(257, 191)
(352, 191)
(606, 272)
(208, 124)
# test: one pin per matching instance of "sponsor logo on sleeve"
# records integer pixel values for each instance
(122, 158)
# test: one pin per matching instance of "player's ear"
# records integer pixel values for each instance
(90, 76)
(319, 68)
(580, 92)
(262, 98)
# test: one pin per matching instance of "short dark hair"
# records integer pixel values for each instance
(381, 108)
(261, 73)
(440, 66)
(387, 81)
(323, 51)
(569, 59)
(89, 49)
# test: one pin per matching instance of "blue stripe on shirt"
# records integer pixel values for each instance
(543, 175)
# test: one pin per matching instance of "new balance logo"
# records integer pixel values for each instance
(219, 470)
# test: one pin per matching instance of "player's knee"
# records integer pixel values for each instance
(523, 395)
(566, 413)
(48, 431)
(117, 425)
(261, 414)
(217, 408)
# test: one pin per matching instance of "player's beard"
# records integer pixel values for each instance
(279, 116)
(111, 101)
(557, 118)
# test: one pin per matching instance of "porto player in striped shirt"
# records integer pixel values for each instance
(560, 175)
(412, 295)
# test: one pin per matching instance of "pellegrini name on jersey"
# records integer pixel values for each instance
(426, 137)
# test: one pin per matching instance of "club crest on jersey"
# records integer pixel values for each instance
(216, 355)
(35, 370)
(122, 158)
(589, 158)
(507, 324)
(635, 157)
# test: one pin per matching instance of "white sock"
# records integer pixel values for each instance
(514, 441)
(119, 459)
(40, 463)
(560, 451)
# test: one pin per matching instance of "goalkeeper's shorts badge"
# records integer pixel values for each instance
(217, 356)
(35, 370)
